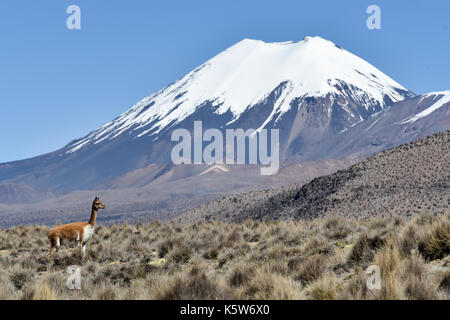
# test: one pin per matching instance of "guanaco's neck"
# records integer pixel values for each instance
(93, 216)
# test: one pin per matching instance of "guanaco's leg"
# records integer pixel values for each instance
(51, 251)
(83, 248)
(55, 244)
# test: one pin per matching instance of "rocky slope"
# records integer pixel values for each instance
(169, 195)
(409, 179)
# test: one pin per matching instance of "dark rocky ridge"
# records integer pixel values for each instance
(409, 179)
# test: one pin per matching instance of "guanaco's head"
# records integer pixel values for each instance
(97, 204)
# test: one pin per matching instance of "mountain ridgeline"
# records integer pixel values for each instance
(316, 93)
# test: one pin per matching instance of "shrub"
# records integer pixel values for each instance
(364, 249)
(444, 284)
(240, 275)
(165, 246)
(435, 244)
(190, 287)
(44, 292)
(312, 268)
(180, 254)
(266, 285)
(19, 278)
(325, 288)
(388, 260)
(408, 240)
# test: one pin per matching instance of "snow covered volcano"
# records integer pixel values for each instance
(246, 74)
(311, 90)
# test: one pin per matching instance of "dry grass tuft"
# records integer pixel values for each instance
(435, 243)
(444, 284)
(312, 269)
(364, 249)
(44, 292)
(325, 288)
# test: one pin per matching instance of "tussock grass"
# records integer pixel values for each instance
(312, 269)
(435, 243)
(325, 288)
(323, 258)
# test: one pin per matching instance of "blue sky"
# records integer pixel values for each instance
(58, 84)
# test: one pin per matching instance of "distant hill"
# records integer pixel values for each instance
(18, 192)
(405, 180)
(170, 195)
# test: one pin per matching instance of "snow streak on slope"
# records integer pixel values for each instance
(444, 98)
(248, 72)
